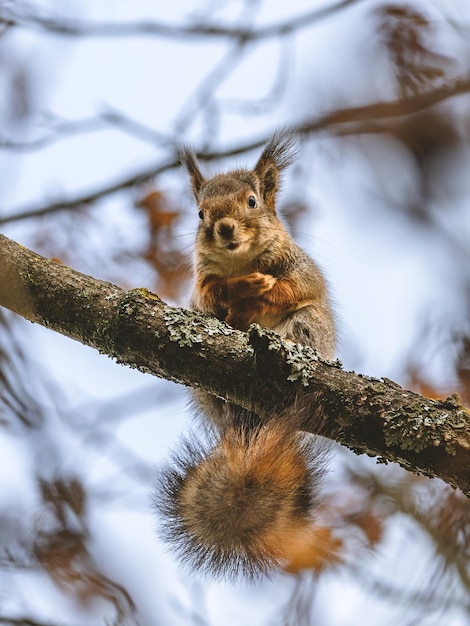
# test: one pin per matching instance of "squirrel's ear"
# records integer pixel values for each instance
(189, 162)
(278, 154)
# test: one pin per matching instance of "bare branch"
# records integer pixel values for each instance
(400, 108)
(361, 119)
(92, 196)
(24, 621)
(205, 91)
(59, 133)
(81, 28)
(65, 129)
(256, 370)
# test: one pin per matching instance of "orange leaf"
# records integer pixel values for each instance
(314, 548)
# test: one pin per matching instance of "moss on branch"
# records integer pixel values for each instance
(257, 370)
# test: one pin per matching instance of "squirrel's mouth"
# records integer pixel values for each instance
(233, 245)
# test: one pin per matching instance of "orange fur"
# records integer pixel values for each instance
(247, 500)
(245, 505)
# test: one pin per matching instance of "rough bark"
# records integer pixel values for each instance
(256, 369)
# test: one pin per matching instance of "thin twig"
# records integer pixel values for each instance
(82, 28)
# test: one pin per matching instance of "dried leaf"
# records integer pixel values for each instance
(171, 265)
(315, 549)
(406, 33)
(371, 525)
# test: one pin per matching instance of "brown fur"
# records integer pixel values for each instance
(242, 505)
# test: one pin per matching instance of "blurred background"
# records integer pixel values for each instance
(98, 98)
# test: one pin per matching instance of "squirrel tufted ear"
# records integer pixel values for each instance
(189, 162)
(278, 154)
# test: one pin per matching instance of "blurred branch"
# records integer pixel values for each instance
(92, 196)
(442, 515)
(277, 90)
(361, 119)
(81, 28)
(25, 621)
(395, 109)
(425, 601)
(452, 543)
(255, 370)
(64, 129)
(205, 91)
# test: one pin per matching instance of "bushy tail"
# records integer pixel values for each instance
(239, 505)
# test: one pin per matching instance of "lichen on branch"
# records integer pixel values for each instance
(257, 370)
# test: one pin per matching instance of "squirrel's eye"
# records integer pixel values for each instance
(201, 215)
(252, 202)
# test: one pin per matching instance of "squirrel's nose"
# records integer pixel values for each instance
(225, 228)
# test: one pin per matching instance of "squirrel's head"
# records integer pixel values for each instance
(237, 209)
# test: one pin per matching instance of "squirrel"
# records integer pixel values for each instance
(241, 504)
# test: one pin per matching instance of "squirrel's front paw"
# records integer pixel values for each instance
(250, 286)
(260, 283)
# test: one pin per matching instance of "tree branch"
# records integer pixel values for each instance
(65, 129)
(256, 370)
(361, 119)
(81, 28)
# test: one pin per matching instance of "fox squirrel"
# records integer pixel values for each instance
(242, 503)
